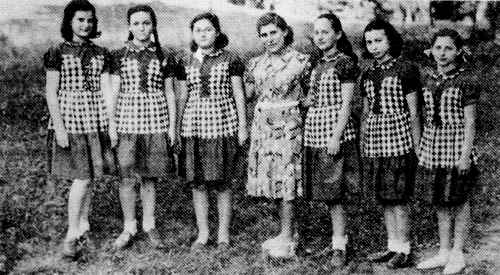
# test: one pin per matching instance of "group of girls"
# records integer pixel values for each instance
(142, 102)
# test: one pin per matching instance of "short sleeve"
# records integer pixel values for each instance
(168, 66)
(410, 78)
(52, 59)
(347, 70)
(180, 68)
(115, 61)
(236, 67)
(470, 89)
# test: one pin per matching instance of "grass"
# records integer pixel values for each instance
(33, 206)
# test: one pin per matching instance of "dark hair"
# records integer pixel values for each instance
(457, 40)
(221, 40)
(148, 9)
(69, 12)
(395, 40)
(275, 19)
(343, 44)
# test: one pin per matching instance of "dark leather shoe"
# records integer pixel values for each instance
(400, 260)
(381, 257)
(339, 258)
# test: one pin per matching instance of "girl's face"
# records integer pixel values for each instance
(444, 51)
(377, 44)
(273, 38)
(325, 37)
(141, 26)
(82, 25)
(204, 34)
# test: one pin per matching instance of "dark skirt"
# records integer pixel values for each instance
(208, 163)
(145, 155)
(88, 156)
(393, 178)
(448, 187)
(330, 177)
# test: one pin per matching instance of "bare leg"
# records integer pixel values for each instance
(390, 223)
(148, 200)
(75, 204)
(337, 214)
(84, 225)
(200, 203)
(127, 199)
(401, 217)
(444, 223)
(225, 213)
(462, 219)
(286, 220)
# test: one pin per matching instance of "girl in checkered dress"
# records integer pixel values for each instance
(451, 92)
(213, 124)
(329, 129)
(77, 75)
(390, 131)
(278, 78)
(144, 124)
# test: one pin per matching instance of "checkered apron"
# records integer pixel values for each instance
(323, 115)
(388, 131)
(81, 101)
(142, 106)
(441, 142)
(210, 110)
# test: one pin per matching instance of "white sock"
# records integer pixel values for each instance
(339, 242)
(404, 247)
(71, 235)
(392, 245)
(148, 224)
(83, 227)
(130, 226)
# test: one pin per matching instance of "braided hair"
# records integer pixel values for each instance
(147, 9)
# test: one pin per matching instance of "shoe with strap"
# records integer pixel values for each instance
(381, 257)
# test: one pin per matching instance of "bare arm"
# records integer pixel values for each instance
(347, 91)
(51, 88)
(172, 112)
(469, 135)
(182, 100)
(112, 101)
(239, 98)
(412, 100)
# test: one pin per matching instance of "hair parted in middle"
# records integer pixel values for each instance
(278, 21)
(343, 44)
(393, 36)
(221, 40)
(69, 12)
(147, 9)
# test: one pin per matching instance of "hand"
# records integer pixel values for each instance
(242, 136)
(113, 136)
(333, 146)
(62, 138)
(463, 165)
(172, 136)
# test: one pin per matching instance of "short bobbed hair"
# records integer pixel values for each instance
(278, 21)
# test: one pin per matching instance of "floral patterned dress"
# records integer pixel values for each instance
(275, 156)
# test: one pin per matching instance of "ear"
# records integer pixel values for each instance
(338, 35)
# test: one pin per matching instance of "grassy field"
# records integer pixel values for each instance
(33, 206)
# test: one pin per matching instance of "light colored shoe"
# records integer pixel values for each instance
(440, 260)
(456, 263)
(124, 240)
(279, 248)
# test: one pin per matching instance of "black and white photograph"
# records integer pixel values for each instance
(250, 137)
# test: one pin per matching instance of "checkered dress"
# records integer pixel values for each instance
(445, 97)
(210, 110)
(326, 80)
(388, 130)
(81, 101)
(142, 105)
